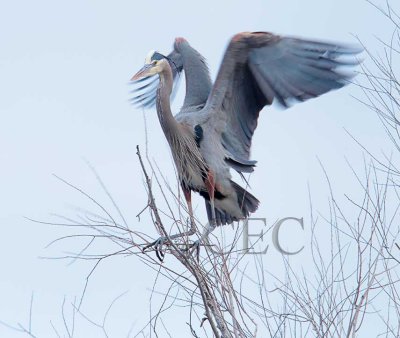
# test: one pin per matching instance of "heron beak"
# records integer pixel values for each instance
(145, 71)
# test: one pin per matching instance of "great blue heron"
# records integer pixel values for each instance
(212, 133)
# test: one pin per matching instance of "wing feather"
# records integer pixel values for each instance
(198, 83)
(145, 90)
(261, 68)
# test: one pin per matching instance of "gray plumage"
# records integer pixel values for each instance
(257, 69)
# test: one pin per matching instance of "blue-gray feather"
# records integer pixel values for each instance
(198, 81)
(217, 122)
(261, 68)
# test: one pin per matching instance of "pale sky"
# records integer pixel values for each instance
(64, 71)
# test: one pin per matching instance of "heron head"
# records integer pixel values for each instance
(154, 64)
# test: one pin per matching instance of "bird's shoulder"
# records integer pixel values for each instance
(192, 116)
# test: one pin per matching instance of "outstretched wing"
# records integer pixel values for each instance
(260, 68)
(197, 78)
(145, 89)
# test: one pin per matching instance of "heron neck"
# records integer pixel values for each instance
(167, 120)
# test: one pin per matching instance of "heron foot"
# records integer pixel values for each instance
(157, 244)
(195, 246)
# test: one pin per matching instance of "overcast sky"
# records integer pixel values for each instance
(64, 71)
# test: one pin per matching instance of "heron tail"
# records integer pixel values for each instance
(221, 217)
(246, 202)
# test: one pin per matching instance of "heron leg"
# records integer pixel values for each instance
(158, 244)
(188, 197)
(210, 186)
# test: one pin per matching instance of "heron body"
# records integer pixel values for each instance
(213, 131)
(197, 158)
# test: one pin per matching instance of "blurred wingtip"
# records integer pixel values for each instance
(144, 92)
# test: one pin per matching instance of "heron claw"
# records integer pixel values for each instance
(195, 246)
(157, 244)
(160, 253)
